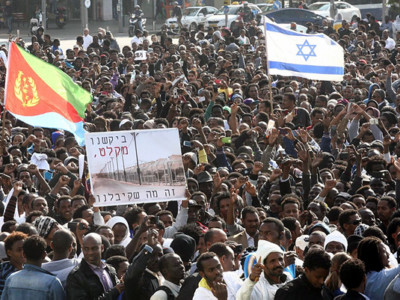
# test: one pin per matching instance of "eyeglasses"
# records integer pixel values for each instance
(356, 222)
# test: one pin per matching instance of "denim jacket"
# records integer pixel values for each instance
(33, 282)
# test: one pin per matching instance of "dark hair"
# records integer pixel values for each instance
(390, 200)
(278, 223)
(79, 211)
(132, 216)
(62, 198)
(164, 212)
(163, 264)
(289, 223)
(6, 227)
(220, 249)
(116, 260)
(1, 208)
(352, 273)
(392, 228)
(344, 217)
(290, 199)
(291, 97)
(368, 251)
(202, 258)
(34, 213)
(317, 110)
(114, 250)
(376, 232)
(77, 198)
(34, 247)
(208, 236)
(220, 197)
(26, 228)
(12, 238)
(218, 219)
(62, 240)
(334, 213)
(191, 230)
(249, 210)
(317, 258)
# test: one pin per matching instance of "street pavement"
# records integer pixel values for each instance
(72, 29)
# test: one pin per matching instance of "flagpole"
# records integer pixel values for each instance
(3, 117)
(269, 75)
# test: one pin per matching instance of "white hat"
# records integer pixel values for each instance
(124, 121)
(302, 242)
(264, 249)
(336, 236)
(192, 155)
(332, 101)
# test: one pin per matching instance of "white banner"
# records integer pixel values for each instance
(138, 166)
(141, 55)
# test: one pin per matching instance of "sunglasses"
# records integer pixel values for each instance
(356, 222)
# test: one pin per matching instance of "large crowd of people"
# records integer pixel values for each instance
(293, 185)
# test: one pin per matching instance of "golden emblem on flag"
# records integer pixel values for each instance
(25, 90)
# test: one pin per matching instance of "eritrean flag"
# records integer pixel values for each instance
(40, 94)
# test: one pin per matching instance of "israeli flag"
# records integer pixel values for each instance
(312, 56)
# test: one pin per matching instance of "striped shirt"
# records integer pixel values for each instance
(6, 269)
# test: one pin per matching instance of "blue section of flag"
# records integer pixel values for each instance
(273, 27)
(277, 4)
(305, 68)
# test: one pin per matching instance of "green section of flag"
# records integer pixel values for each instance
(60, 82)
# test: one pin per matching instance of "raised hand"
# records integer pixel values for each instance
(275, 175)
(250, 188)
(33, 169)
(64, 180)
(17, 188)
(257, 270)
(317, 160)
(302, 152)
(273, 136)
(330, 184)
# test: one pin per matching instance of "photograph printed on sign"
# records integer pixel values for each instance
(135, 166)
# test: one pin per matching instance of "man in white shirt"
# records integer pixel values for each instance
(87, 39)
(227, 258)
(173, 270)
(137, 39)
(267, 276)
(390, 43)
(211, 286)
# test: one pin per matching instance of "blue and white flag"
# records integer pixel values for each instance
(277, 5)
(312, 56)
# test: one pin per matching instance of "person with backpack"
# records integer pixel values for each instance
(173, 270)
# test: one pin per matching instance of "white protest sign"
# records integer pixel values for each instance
(81, 160)
(138, 166)
(141, 55)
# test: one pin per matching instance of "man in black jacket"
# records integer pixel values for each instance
(310, 285)
(143, 278)
(352, 275)
(93, 279)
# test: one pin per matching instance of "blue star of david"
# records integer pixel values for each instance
(306, 56)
